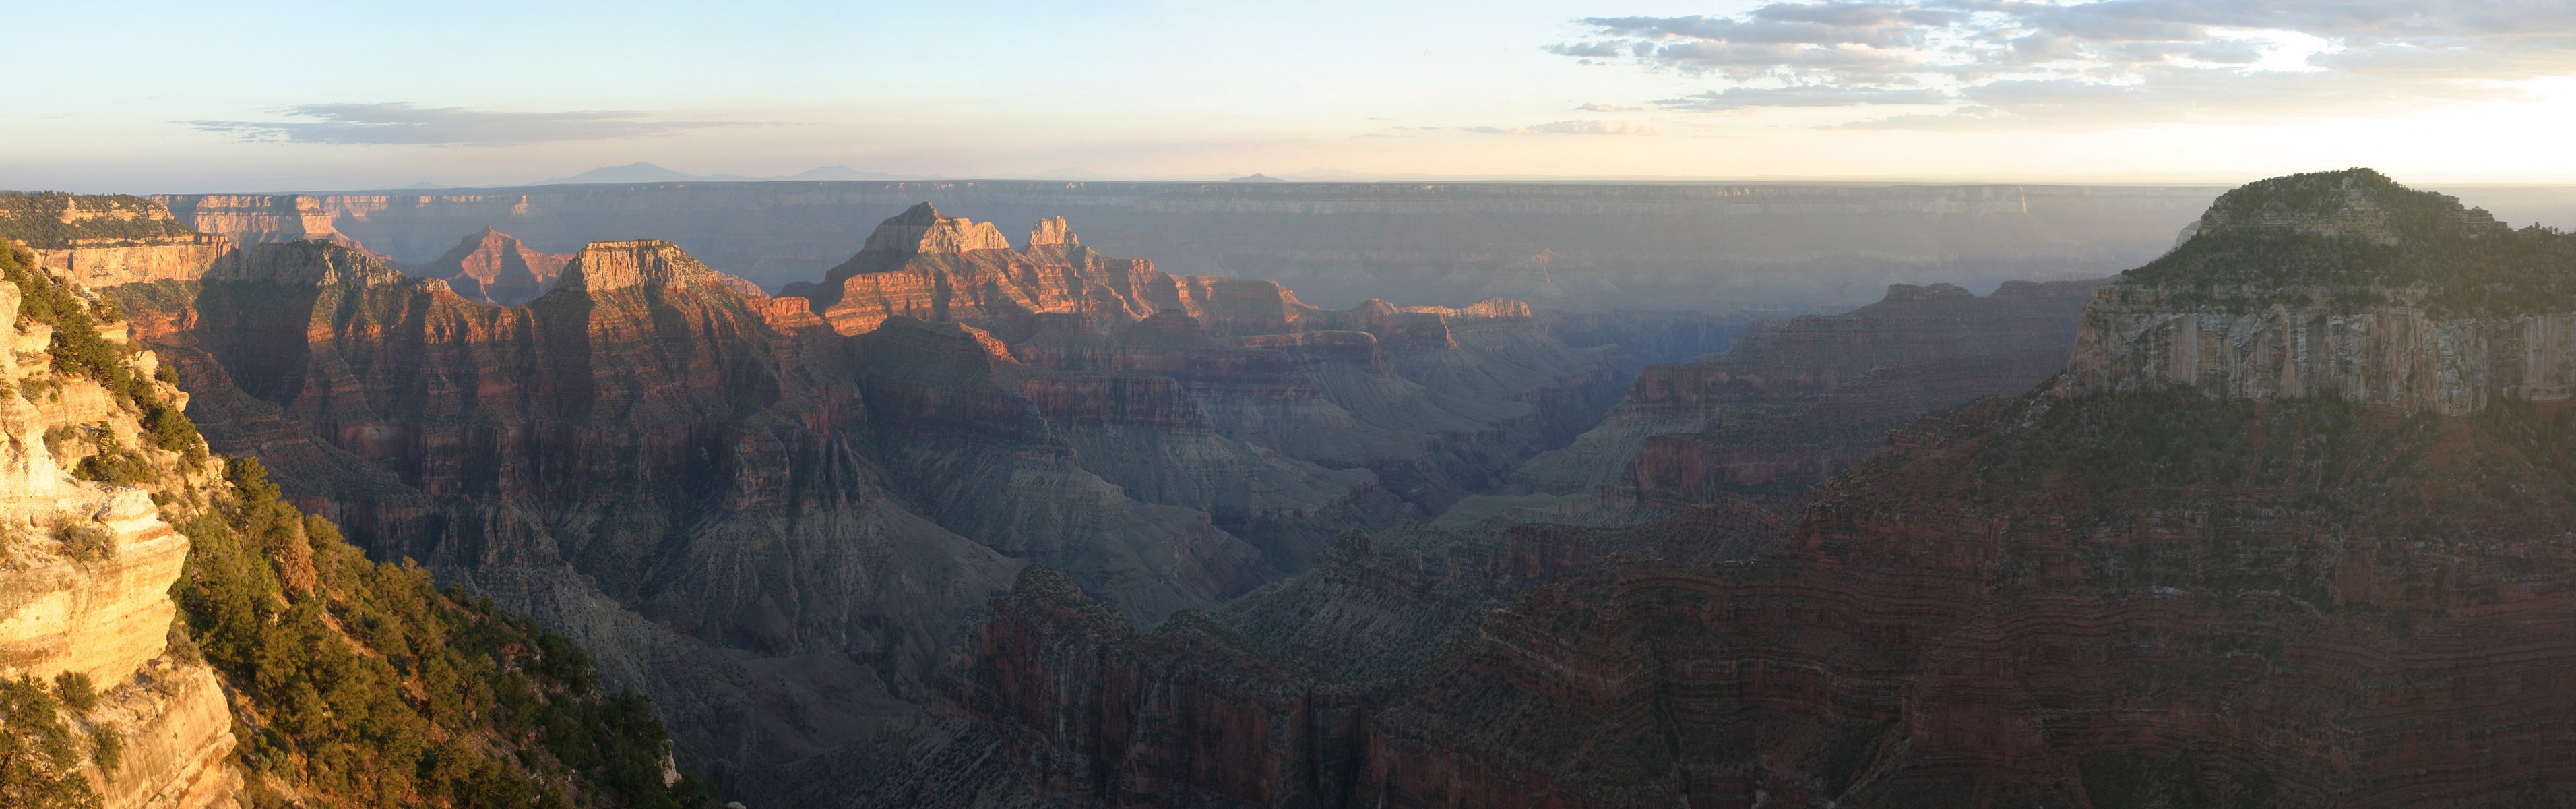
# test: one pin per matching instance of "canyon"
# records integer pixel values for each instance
(2123, 587)
(981, 519)
(776, 514)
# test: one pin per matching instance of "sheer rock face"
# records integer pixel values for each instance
(102, 240)
(85, 575)
(256, 218)
(2390, 297)
(494, 268)
(1791, 404)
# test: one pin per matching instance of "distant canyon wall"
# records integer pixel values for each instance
(1563, 247)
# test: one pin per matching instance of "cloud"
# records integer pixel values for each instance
(1819, 95)
(1567, 128)
(2011, 62)
(399, 123)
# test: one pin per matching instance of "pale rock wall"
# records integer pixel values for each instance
(106, 615)
(2393, 354)
(99, 263)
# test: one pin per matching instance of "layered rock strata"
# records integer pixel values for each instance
(85, 577)
(102, 240)
(767, 516)
(2411, 342)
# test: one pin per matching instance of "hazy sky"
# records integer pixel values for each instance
(147, 96)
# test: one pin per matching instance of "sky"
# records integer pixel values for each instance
(145, 97)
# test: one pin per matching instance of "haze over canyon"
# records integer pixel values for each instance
(1764, 404)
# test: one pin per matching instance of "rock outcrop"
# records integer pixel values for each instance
(493, 267)
(2428, 306)
(257, 218)
(104, 240)
(86, 571)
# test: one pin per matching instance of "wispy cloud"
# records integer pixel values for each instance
(1569, 128)
(2017, 62)
(400, 123)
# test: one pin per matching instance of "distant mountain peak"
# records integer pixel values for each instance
(1256, 178)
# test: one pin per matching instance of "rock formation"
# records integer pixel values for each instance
(2156, 593)
(775, 514)
(256, 218)
(85, 579)
(101, 241)
(494, 268)
(2429, 306)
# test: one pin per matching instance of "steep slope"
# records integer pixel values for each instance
(248, 656)
(494, 268)
(2149, 592)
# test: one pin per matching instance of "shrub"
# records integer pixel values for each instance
(86, 542)
(76, 691)
(39, 758)
(114, 466)
(106, 748)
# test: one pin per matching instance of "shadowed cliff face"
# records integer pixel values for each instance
(2158, 594)
(774, 519)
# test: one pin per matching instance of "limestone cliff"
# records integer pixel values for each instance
(86, 571)
(255, 218)
(2342, 284)
(102, 240)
